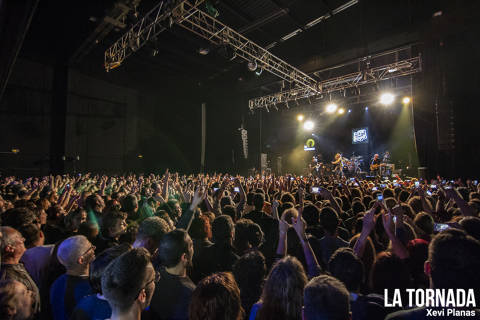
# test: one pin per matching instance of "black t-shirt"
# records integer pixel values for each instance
(219, 257)
(269, 226)
(171, 297)
(376, 162)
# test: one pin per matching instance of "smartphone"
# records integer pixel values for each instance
(215, 189)
(448, 187)
(315, 189)
(301, 177)
(396, 184)
(292, 178)
(438, 227)
(395, 181)
(383, 185)
(352, 179)
(417, 184)
(339, 185)
(374, 189)
(475, 182)
(429, 193)
(380, 197)
(433, 186)
(355, 184)
(394, 219)
(236, 189)
(68, 185)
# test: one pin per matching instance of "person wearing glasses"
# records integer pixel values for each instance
(128, 284)
(75, 254)
(95, 306)
(12, 249)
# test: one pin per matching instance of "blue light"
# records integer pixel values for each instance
(366, 108)
(349, 110)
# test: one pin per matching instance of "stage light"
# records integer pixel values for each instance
(331, 107)
(252, 65)
(341, 111)
(308, 125)
(300, 117)
(406, 100)
(387, 98)
(204, 51)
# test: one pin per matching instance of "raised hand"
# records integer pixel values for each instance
(388, 223)
(300, 226)
(198, 197)
(369, 219)
(283, 226)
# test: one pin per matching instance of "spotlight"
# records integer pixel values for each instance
(386, 98)
(406, 100)
(252, 65)
(300, 117)
(203, 51)
(341, 111)
(331, 107)
(308, 125)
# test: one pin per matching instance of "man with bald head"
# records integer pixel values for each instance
(75, 254)
(12, 248)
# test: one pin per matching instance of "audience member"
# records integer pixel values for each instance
(128, 284)
(75, 254)
(173, 291)
(12, 249)
(217, 297)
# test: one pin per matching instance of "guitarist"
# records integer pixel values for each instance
(375, 165)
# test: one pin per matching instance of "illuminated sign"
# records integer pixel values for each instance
(360, 135)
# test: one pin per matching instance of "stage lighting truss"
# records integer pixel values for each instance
(190, 17)
(363, 77)
(152, 24)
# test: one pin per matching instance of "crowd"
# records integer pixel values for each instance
(223, 247)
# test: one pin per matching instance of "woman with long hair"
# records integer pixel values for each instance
(282, 296)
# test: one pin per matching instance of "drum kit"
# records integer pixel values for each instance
(353, 165)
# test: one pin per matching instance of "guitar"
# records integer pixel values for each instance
(374, 167)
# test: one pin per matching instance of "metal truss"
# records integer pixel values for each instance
(188, 16)
(351, 80)
(216, 32)
(147, 28)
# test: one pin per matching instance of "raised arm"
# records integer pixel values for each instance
(397, 246)
(313, 268)
(368, 225)
(463, 205)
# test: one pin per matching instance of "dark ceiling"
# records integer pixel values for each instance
(59, 28)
